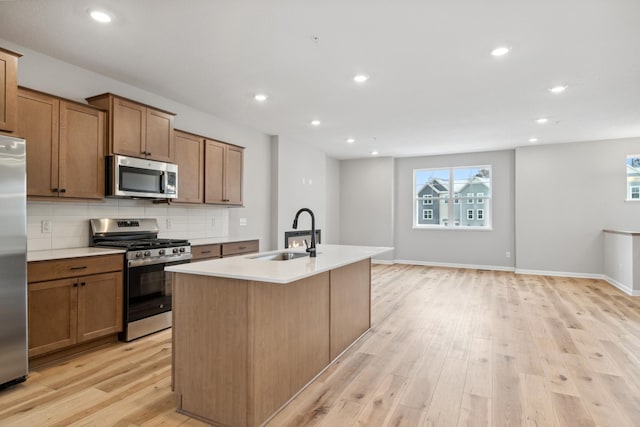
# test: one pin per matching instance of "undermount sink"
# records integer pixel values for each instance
(281, 256)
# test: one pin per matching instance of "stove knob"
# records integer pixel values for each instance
(147, 253)
(181, 249)
(175, 250)
(161, 252)
(138, 254)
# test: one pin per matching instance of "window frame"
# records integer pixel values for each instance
(633, 183)
(448, 216)
(427, 211)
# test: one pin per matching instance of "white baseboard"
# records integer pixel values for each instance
(559, 274)
(382, 261)
(452, 265)
(624, 288)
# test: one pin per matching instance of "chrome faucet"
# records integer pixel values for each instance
(311, 249)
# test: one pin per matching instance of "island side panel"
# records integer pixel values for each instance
(289, 341)
(350, 304)
(210, 340)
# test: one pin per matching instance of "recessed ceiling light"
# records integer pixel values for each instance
(315, 122)
(533, 140)
(100, 16)
(360, 78)
(542, 120)
(374, 153)
(260, 97)
(500, 51)
(558, 89)
(351, 140)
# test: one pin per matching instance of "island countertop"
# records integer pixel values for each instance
(251, 267)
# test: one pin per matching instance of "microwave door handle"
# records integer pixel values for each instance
(163, 178)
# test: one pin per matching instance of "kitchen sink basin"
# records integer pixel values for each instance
(281, 256)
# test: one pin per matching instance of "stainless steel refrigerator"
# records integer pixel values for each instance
(13, 261)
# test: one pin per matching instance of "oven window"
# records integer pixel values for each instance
(140, 180)
(149, 291)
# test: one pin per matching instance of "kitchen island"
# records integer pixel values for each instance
(250, 332)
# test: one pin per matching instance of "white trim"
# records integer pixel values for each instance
(559, 274)
(382, 261)
(454, 265)
(624, 288)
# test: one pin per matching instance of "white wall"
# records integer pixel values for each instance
(301, 182)
(47, 74)
(482, 248)
(566, 195)
(332, 211)
(366, 203)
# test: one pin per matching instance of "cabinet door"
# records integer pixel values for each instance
(190, 160)
(129, 128)
(233, 175)
(99, 305)
(8, 91)
(38, 123)
(52, 315)
(81, 156)
(214, 172)
(159, 136)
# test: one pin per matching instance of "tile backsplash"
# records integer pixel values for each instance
(69, 221)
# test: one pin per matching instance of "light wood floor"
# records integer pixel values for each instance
(448, 347)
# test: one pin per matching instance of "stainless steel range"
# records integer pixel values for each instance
(147, 288)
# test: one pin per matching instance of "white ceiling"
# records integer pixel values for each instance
(433, 88)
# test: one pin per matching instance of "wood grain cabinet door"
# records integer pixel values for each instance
(190, 160)
(38, 116)
(214, 172)
(233, 175)
(81, 159)
(8, 89)
(99, 305)
(52, 315)
(159, 136)
(129, 128)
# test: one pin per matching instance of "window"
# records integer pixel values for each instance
(633, 177)
(446, 190)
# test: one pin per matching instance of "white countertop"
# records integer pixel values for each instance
(69, 253)
(219, 240)
(247, 268)
(628, 233)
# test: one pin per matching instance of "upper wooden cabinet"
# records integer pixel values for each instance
(8, 89)
(223, 173)
(137, 130)
(65, 146)
(190, 161)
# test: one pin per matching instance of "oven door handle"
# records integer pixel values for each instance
(167, 260)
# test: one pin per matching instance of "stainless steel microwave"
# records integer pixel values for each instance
(133, 177)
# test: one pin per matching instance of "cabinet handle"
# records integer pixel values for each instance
(205, 252)
(225, 200)
(83, 283)
(148, 153)
(54, 190)
(78, 268)
(242, 247)
(75, 285)
(63, 190)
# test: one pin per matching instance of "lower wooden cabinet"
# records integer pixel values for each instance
(219, 250)
(64, 312)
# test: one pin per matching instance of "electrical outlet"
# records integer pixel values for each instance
(508, 254)
(213, 221)
(243, 222)
(168, 222)
(45, 226)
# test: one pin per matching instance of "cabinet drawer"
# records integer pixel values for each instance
(38, 271)
(238, 248)
(205, 251)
